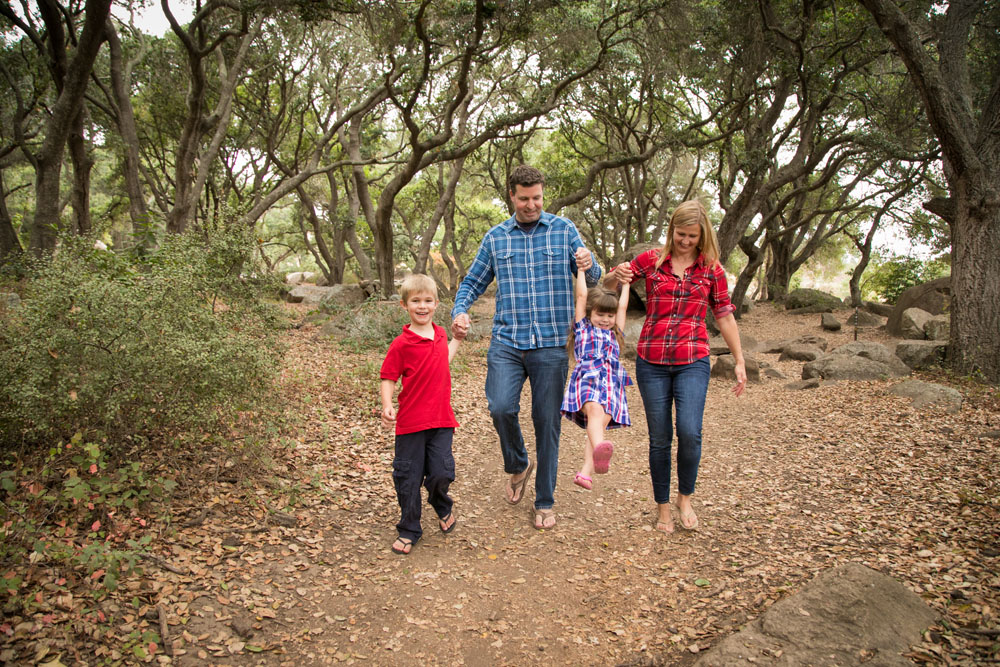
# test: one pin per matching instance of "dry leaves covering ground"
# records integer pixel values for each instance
(292, 566)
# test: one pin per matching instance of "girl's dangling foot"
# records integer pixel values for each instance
(602, 456)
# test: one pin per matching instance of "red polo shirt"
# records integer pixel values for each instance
(674, 331)
(425, 399)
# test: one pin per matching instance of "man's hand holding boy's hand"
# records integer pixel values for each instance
(460, 326)
(389, 416)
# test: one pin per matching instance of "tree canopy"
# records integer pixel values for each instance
(361, 136)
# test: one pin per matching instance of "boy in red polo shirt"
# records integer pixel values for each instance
(424, 422)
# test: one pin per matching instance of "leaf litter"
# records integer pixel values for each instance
(284, 559)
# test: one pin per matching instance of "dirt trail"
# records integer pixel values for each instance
(791, 483)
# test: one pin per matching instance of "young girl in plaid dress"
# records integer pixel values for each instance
(595, 397)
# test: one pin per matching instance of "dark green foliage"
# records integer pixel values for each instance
(114, 345)
(889, 278)
(374, 324)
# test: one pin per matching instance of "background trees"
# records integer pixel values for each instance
(357, 137)
(951, 55)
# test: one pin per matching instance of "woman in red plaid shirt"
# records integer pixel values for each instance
(683, 280)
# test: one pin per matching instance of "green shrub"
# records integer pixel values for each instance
(374, 324)
(120, 346)
(888, 278)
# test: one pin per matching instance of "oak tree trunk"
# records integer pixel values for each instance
(127, 127)
(45, 225)
(975, 282)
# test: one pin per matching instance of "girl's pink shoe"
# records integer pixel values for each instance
(602, 456)
(584, 481)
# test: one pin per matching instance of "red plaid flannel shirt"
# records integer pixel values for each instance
(674, 331)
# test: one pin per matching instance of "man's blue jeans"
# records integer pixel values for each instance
(506, 370)
(661, 387)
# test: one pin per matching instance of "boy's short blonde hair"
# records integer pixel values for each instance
(417, 283)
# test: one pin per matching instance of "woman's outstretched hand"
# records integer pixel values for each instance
(741, 378)
(623, 272)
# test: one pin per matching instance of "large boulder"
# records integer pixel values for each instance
(829, 322)
(850, 615)
(811, 310)
(639, 286)
(938, 327)
(861, 360)
(717, 344)
(298, 277)
(881, 309)
(868, 350)
(918, 354)
(926, 394)
(310, 294)
(338, 297)
(799, 385)
(864, 318)
(632, 330)
(808, 340)
(933, 297)
(725, 367)
(632, 252)
(795, 351)
(810, 299)
(912, 322)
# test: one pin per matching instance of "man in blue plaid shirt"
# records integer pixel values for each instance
(533, 256)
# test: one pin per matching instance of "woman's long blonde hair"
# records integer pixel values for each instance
(692, 212)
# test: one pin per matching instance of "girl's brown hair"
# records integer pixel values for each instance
(692, 212)
(599, 300)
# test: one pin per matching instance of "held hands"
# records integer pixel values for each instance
(584, 260)
(741, 378)
(623, 272)
(460, 326)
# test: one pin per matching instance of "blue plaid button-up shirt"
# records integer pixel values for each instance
(535, 272)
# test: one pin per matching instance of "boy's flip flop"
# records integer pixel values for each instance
(602, 457)
(517, 489)
(443, 521)
(405, 549)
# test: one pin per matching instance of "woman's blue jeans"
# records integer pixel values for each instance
(661, 387)
(506, 370)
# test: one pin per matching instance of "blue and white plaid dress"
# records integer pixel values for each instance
(598, 376)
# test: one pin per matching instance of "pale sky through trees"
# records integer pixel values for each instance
(151, 19)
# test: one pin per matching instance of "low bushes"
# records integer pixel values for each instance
(119, 346)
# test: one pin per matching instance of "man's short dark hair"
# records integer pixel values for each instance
(526, 176)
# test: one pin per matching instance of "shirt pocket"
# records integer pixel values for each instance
(505, 264)
(548, 262)
(660, 285)
(698, 289)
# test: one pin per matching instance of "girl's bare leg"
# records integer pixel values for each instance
(587, 469)
(597, 423)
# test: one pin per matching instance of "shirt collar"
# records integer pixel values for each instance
(544, 219)
(699, 261)
(417, 337)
